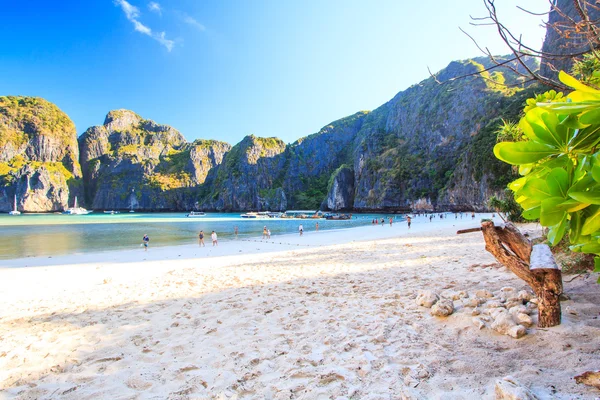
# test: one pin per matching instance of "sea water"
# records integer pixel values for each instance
(33, 235)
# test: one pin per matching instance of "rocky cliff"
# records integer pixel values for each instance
(564, 36)
(39, 156)
(133, 163)
(418, 147)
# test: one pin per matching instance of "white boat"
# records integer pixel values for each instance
(194, 214)
(255, 215)
(15, 211)
(76, 210)
(112, 212)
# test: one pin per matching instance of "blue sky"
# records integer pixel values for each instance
(224, 69)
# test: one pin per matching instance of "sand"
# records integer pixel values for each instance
(314, 321)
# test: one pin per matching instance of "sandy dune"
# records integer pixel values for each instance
(329, 322)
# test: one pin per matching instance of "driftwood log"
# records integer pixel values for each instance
(538, 270)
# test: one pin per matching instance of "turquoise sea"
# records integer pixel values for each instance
(32, 235)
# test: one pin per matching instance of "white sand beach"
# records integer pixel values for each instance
(329, 315)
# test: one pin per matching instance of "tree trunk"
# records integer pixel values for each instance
(537, 268)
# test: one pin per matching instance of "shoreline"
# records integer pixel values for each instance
(252, 245)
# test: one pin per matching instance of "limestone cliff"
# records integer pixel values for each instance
(245, 180)
(409, 148)
(39, 156)
(133, 163)
(265, 174)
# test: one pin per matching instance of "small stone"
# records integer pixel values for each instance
(524, 295)
(517, 331)
(478, 322)
(476, 311)
(426, 298)
(510, 304)
(571, 310)
(442, 308)
(523, 319)
(454, 295)
(484, 293)
(473, 301)
(494, 304)
(520, 309)
(494, 312)
(534, 300)
(509, 389)
(503, 323)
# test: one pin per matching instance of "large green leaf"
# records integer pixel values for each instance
(557, 232)
(585, 138)
(516, 153)
(575, 227)
(558, 182)
(536, 189)
(572, 205)
(591, 224)
(590, 117)
(532, 213)
(543, 125)
(570, 107)
(575, 84)
(589, 196)
(550, 214)
(572, 122)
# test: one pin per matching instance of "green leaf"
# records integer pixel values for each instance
(532, 213)
(575, 84)
(557, 232)
(591, 247)
(570, 107)
(589, 196)
(572, 205)
(596, 173)
(549, 214)
(585, 138)
(516, 153)
(591, 224)
(536, 189)
(575, 227)
(596, 264)
(590, 117)
(558, 182)
(572, 122)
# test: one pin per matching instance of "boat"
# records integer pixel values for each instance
(194, 214)
(15, 211)
(75, 210)
(255, 215)
(338, 216)
(112, 212)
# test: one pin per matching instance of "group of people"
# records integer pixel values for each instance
(213, 236)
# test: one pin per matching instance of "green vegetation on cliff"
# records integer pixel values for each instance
(23, 117)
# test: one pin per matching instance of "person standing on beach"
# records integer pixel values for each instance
(317, 227)
(268, 234)
(145, 241)
(214, 238)
(235, 231)
(264, 232)
(391, 220)
(201, 239)
(408, 220)
(301, 229)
